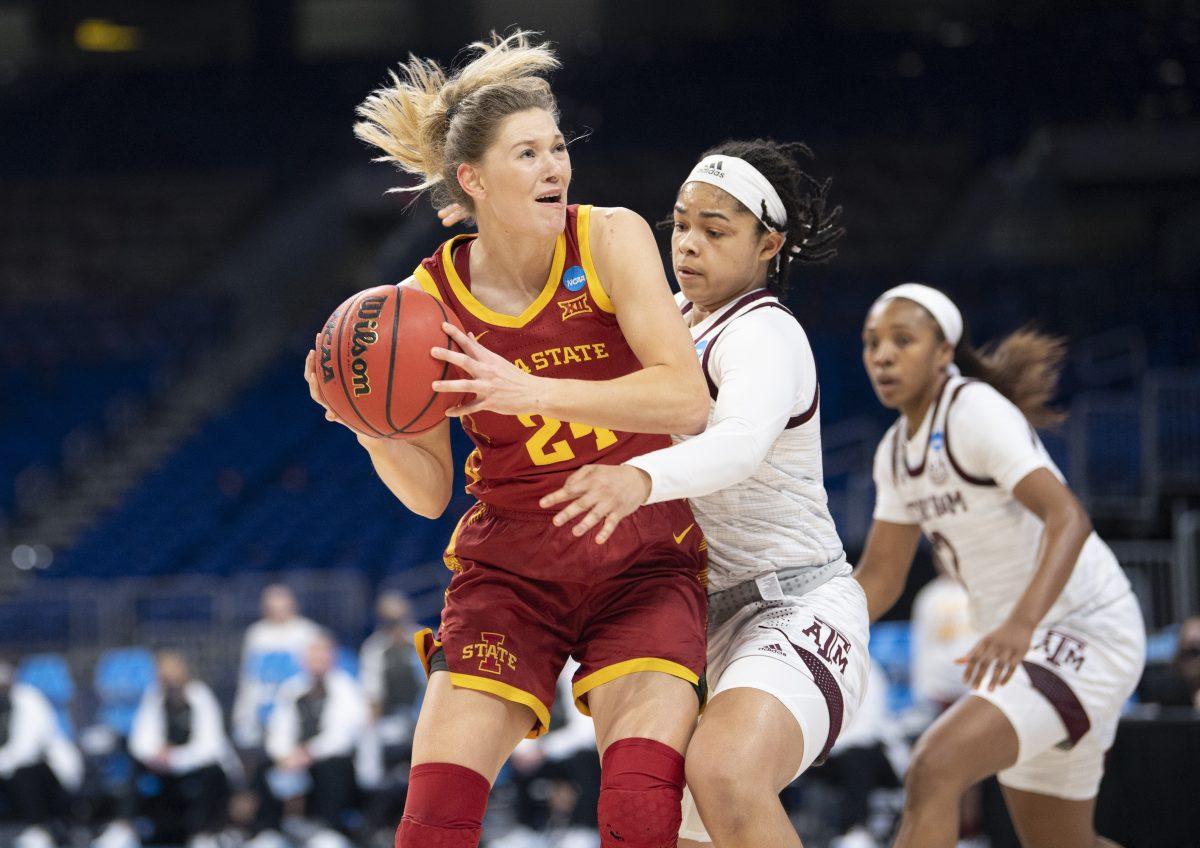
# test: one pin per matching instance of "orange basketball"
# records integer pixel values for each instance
(373, 364)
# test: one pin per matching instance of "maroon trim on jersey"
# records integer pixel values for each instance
(830, 690)
(745, 299)
(970, 478)
(687, 307)
(1065, 702)
(750, 298)
(937, 407)
(806, 416)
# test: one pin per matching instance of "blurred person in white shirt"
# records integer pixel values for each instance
(314, 731)
(394, 682)
(178, 734)
(941, 633)
(38, 765)
(282, 629)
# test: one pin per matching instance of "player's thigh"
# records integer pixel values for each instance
(1043, 821)
(969, 742)
(747, 737)
(467, 727)
(645, 705)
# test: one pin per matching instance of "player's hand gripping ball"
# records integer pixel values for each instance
(372, 369)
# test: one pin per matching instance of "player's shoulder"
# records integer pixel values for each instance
(608, 225)
(976, 400)
(767, 324)
(883, 450)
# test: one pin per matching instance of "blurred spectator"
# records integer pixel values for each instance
(393, 681)
(861, 761)
(282, 630)
(1176, 684)
(312, 736)
(941, 633)
(178, 737)
(557, 779)
(37, 762)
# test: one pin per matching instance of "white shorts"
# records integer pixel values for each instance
(1066, 699)
(808, 652)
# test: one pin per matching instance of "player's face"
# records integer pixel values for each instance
(903, 352)
(523, 179)
(717, 246)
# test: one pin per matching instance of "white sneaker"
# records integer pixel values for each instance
(34, 837)
(856, 837)
(119, 834)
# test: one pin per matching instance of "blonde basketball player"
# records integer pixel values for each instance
(1065, 643)
(523, 597)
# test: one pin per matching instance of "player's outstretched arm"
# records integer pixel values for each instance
(886, 560)
(418, 470)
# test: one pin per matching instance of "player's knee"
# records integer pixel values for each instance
(444, 807)
(640, 793)
(722, 787)
(933, 772)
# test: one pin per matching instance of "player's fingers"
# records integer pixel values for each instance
(999, 669)
(1009, 672)
(461, 360)
(610, 524)
(589, 521)
(467, 343)
(570, 511)
(981, 670)
(472, 386)
(556, 497)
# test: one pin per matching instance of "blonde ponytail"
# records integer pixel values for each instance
(427, 123)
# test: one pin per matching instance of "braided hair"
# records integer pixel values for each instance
(812, 230)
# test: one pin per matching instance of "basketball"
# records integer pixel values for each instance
(374, 369)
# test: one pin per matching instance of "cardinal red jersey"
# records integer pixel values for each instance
(568, 331)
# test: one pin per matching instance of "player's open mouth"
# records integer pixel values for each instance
(549, 197)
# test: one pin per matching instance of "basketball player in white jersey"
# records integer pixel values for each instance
(787, 649)
(1065, 642)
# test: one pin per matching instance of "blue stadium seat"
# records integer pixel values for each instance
(1160, 646)
(50, 674)
(122, 676)
(891, 647)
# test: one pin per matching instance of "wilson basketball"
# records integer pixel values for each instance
(374, 369)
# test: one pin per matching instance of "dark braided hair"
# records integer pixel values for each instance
(812, 231)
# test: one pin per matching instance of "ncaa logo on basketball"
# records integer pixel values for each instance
(574, 278)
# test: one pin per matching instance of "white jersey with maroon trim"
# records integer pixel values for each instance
(777, 516)
(954, 477)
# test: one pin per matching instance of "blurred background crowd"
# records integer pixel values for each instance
(191, 558)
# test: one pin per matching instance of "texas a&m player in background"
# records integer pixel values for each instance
(1064, 641)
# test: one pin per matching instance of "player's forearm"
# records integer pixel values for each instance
(723, 455)
(656, 399)
(414, 475)
(1066, 531)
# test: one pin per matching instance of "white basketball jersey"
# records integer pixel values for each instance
(954, 478)
(779, 516)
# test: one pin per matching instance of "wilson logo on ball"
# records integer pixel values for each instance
(364, 336)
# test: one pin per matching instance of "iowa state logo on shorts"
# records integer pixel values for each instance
(492, 655)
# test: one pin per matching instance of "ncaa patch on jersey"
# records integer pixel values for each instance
(701, 346)
(574, 278)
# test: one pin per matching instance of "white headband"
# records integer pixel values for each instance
(744, 183)
(937, 304)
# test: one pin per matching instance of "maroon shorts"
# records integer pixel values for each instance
(526, 595)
